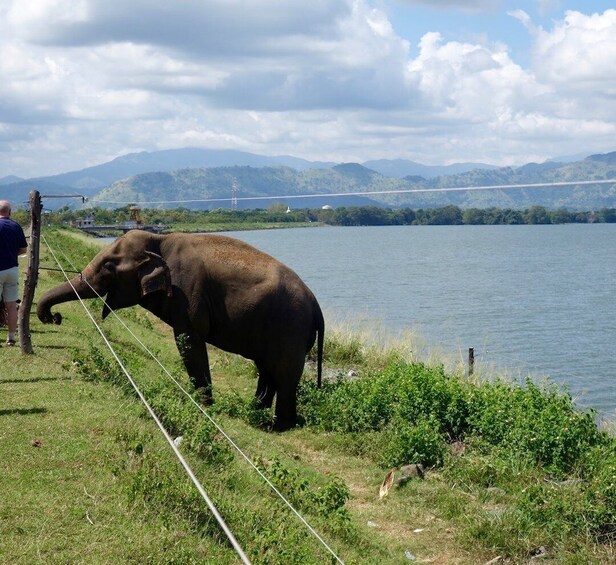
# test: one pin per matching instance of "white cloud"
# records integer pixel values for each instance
(211, 28)
(470, 82)
(465, 5)
(579, 53)
(82, 82)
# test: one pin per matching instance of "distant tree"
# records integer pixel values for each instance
(21, 216)
(512, 217)
(447, 216)
(474, 216)
(607, 215)
(422, 217)
(560, 216)
(325, 215)
(582, 217)
(536, 215)
(277, 208)
(403, 216)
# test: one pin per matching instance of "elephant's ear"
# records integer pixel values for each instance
(154, 275)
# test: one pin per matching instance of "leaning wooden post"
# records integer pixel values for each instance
(471, 360)
(31, 278)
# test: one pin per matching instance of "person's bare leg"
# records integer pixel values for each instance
(11, 319)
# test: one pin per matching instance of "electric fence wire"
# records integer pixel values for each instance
(169, 439)
(368, 193)
(204, 412)
(521, 366)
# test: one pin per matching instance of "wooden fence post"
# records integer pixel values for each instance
(31, 279)
(471, 360)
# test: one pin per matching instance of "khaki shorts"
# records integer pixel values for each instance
(9, 284)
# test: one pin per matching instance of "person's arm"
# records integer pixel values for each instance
(23, 244)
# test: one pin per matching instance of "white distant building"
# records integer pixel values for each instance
(327, 207)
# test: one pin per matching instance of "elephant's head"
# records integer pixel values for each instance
(124, 273)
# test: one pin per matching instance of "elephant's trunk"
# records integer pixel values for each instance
(62, 293)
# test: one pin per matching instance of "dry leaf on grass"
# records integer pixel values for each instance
(387, 482)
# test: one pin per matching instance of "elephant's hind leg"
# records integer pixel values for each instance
(287, 379)
(266, 388)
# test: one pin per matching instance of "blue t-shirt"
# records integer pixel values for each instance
(12, 239)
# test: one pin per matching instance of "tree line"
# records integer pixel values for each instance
(341, 216)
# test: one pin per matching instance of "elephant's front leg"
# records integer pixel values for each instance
(193, 351)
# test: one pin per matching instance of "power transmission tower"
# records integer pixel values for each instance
(233, 193)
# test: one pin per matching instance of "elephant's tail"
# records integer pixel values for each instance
(320, 322)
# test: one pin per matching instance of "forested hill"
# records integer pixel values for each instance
(189, 186)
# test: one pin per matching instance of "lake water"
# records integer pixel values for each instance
(531, 300)
(538, 300)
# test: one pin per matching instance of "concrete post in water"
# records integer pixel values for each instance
(31, 278)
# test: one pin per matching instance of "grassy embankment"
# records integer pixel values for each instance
(86, 477)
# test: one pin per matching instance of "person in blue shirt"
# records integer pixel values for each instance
(12, 244)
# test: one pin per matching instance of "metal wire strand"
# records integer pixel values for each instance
(214, 423)
(187, 468)
(369, 193)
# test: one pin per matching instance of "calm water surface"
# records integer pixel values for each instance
(535, 300)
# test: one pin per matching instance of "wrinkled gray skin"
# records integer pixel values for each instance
(211, 289)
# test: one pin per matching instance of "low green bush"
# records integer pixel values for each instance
(402, 391)
(404, 442)
(327, 502)
(541, 423)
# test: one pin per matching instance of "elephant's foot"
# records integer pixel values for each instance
(282, 425)
(204, 395)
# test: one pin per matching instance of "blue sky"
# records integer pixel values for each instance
(85, 81)
(481, 21)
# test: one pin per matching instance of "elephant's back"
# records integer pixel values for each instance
(229, 260)
(221, 247)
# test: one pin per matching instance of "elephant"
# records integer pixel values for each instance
(211, 289)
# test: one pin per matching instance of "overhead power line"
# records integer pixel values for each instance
(368, 193)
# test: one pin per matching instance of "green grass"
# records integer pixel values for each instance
(509, 468)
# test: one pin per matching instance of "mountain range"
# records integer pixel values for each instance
(190, 176)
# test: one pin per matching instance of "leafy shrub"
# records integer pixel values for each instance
(332, 497)
(601, 470)
(231, 404)
(97, 367)
(328, 502)
(181, 418)
(542, 422)
(580, 504)
(402, 391)
(405, 442)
